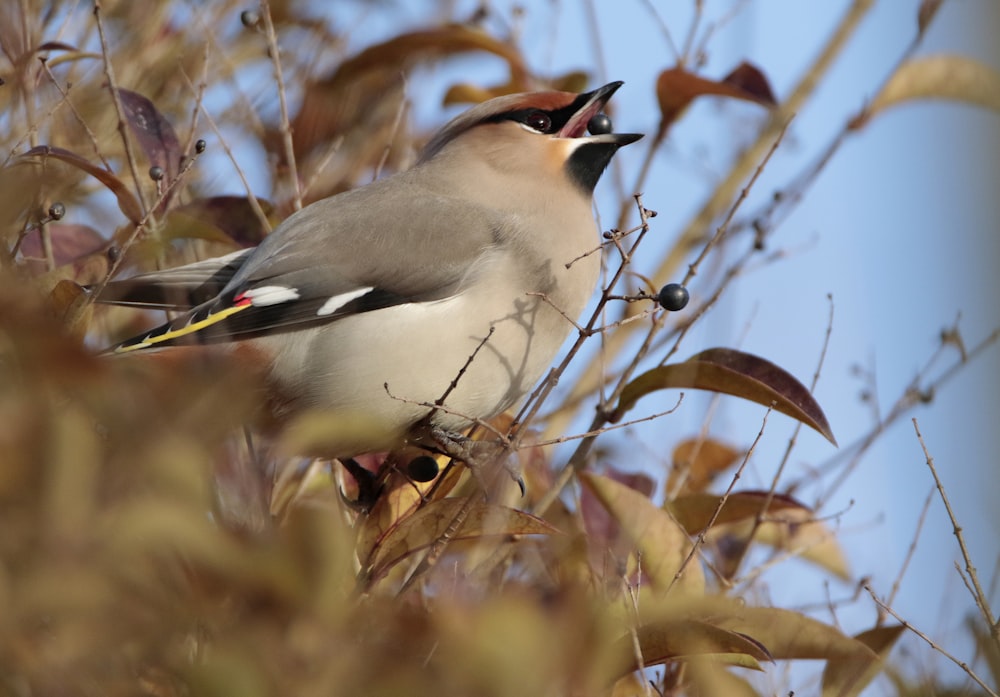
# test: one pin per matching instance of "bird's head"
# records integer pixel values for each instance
(536, 133)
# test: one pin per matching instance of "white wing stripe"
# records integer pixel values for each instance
(338, 301)
(270, 295)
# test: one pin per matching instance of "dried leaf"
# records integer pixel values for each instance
(699, 460)
(68, 303)
(676, 88)
(953, 78)
(356, 94)
(925, 15)
(127, 203)
(604, 534)
(752, 81)
(734, 373)
(153, 132)
(71, 243)
(847, 677)
(791, 635)
(694, 511)
(712, 679)
(433, 521)
(219, 218)
(678, 639)
(662, 543)
(792, 530)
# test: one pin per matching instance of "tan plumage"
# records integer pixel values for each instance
(368, 303)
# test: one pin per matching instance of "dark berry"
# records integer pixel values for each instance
(156, 173)
(673, 297)
(599, 123)
(57, 211)
(249, 18)
(199, 146)
(423, 468)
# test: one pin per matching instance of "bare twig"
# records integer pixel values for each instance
(285, 127)
(109, 73)
(251, 197)
(982, 601)
(916, 393)
(930, 642)
(700, 540)
(913, 548)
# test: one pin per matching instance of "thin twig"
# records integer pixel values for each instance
(285, 127)
(700, 540)
(982, 602)
(930, 642)
(109, 73)
(251, 197)
(912, 549)
(131, 239)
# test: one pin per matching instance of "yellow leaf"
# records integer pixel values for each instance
(847, 677)
(662, 543)
(949, 77)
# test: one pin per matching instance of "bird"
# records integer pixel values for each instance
(426, 301)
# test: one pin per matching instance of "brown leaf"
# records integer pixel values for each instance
(219, 218)
(603, 531)
(752, 81)
(699, 460)
(925, 15)
(70, 243)
(662, 543)
(127, 203)
(734, 373)
(355, 94)
(791, 635)
(847, 677)
(790, 529)
(672, 640)
(153, 132)
(433, 521)
(953, 78)
(694, 511)
(676, 88)
(68, 303)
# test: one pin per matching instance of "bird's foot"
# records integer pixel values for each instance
(477, 454)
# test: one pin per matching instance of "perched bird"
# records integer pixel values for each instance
(452, 282)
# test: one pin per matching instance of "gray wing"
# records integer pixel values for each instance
(386, 244)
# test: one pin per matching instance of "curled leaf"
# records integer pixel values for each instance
(734, 373)
(676, 88)
(685, 638)
(947, 77)
(694, 511)
(127, 203)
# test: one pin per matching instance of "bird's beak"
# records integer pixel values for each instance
(593, 104)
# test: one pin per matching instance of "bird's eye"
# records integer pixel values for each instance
(538, 121)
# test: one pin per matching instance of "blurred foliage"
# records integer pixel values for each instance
(148, 548)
